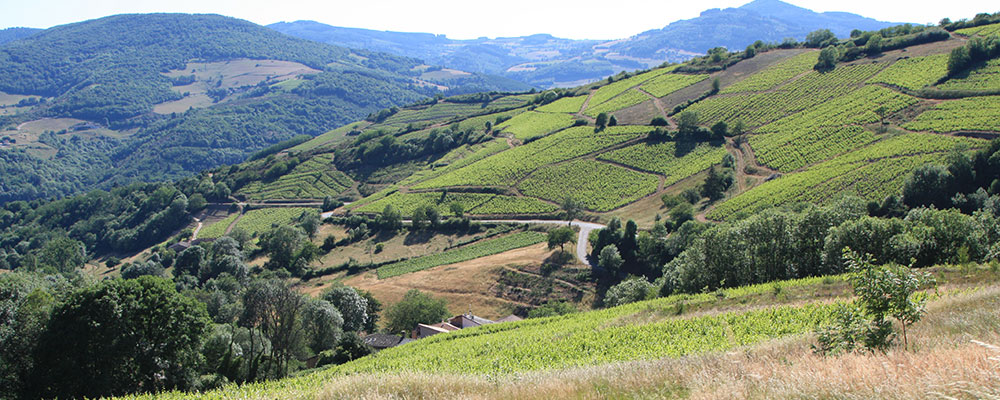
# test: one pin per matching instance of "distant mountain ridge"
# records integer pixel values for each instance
(547, 61)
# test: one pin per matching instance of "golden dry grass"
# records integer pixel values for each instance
(950, 358)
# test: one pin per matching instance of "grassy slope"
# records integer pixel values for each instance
(663, 340)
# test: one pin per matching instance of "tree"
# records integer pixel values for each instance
(390, 219)
(715, 185)
(827, 59)
(602, 120)
(559, 237)
(63, 254)
(118, 337)
(883, 292)
(610, 259)
(374, 308)
(613, 121)
(571, 208)
(352, 306)
(457, 209)
(323, 325)
(687, 121)
(419, 216)
(681, 213)
(929, 184)
(874, 44)
(309, 222)
(415, 308)
(720, 130)
(277, 313)
(820, 38)
(196, 202)
(958, 60)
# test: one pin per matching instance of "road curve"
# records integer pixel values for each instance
(581, 239)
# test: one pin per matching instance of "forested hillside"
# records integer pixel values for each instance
(160, 96)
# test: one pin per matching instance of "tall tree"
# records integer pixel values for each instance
(119, 337)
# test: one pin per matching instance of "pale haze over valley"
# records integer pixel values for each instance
(466, 20)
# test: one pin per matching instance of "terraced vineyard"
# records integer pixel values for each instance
(970, 114)
(406, 203)
(256, 222)
(218, 228)
(984, 30)
(627, 99)
(456, 159)
(986, 77)
(598, 186)
(510, 205)
(825, 130)
(914, 73)
(315, 178)
(607, 92)
(775, 75)
(801, 94)
(470, 252)
(570, 105)
(442, 111)
(669, 83)
(530, 124)
(872, 172)
(510, 166)
(789, 150)
(674, 160)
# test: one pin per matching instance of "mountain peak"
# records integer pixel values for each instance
(775, 8)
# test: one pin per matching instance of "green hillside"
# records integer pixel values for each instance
(777, 214)
(161, 96)
(813, 136)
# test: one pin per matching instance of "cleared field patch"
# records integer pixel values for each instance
(914, 73)
(872, 172)
(673, 160)
(970, 114)
(570, 105)
(598, 186)
(10, 100)
(198, 100)
(238, 73)
(469, 252)
(775, 75)
(530, 125)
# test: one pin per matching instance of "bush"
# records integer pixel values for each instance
(629, 291)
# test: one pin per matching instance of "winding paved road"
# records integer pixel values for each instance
(581, 239)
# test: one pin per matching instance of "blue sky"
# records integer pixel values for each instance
(462, 19)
